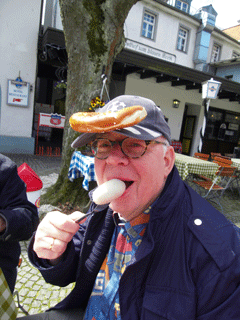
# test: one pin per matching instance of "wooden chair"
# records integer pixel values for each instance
(223, 161)
(202, 156)
(219, 157)
(214, 154)
(212, 189)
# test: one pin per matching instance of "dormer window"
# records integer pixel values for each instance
(181, 5)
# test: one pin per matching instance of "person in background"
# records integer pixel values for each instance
(159, 251)
(18, 218)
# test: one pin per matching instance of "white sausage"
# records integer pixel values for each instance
(108, 191)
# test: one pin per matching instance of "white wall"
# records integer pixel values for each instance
(163, 95)
(227, 46)
(19, 25)
(168, 23)
(57, 20)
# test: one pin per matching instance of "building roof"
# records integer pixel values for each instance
(233, 32)
(209, 9)
(226, 63)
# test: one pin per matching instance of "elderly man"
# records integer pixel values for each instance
(159, 251)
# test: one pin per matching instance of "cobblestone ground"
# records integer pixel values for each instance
(230, 203)
(35, 295)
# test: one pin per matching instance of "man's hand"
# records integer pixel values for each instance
(53, 234)
(2, 224)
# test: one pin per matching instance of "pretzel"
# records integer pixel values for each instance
(107, 121)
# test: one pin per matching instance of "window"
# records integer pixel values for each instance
(181, 5)
(235, 55)
(215, 53)
(182, 39)
(148, 26)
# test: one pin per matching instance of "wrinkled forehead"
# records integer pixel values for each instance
(112, 135)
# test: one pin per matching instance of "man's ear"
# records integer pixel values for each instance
(169, 159)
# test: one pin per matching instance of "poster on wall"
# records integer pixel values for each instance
(18, 93)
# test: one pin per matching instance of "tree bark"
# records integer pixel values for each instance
(94, 36)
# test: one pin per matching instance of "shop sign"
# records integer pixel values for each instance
(142, 48)
(18, 93)
(233, 126)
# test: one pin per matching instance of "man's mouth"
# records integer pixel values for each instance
(128, 183)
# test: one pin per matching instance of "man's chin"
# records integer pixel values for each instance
(119, 208)
(114, 206)
(127, 213)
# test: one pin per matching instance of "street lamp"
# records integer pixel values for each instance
(210, 90)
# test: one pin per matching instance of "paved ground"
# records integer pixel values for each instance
(42, 165)
(35, 295)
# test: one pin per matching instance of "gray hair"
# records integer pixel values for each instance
(166, 145)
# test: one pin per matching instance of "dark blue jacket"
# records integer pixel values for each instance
(21, 218)
(187, 267)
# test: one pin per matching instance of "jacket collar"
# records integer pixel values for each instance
(171, 197)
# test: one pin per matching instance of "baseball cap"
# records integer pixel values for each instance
(150, 128)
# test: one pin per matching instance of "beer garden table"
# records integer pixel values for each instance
(236, 163)
(82, 166)
(188, 165)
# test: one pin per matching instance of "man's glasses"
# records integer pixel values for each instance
(132, 148)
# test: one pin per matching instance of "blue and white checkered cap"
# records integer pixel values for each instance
(150, 128)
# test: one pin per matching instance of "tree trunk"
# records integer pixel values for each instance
(94, 36)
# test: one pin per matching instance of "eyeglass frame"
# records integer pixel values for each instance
(120, 144)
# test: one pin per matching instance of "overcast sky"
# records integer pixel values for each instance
(228, 11)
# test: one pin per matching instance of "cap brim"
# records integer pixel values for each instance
(83, 140)
(137, 132)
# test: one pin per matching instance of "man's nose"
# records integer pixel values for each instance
(117, 156)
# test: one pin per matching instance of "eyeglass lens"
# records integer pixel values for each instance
(132, 148)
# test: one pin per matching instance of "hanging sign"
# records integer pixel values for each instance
(18, 93)
(52, 120)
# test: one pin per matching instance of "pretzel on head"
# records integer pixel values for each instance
(107, 121)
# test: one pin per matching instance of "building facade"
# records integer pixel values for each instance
(19, 28)
(169, 51)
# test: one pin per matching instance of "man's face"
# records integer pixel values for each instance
(146, 175)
